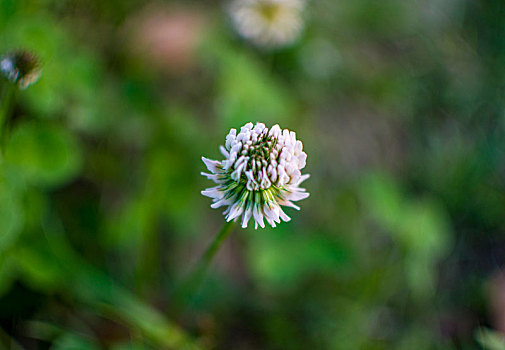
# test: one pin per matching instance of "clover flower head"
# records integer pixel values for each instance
(260, 173)
(268, 23)
(20, 67)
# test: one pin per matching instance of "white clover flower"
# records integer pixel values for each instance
(260, 173)
(268, 23)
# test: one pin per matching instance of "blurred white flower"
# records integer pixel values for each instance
(268, 23)
(260, 173)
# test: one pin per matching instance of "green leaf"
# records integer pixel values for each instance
(489, 339)
(284, 261)
(247, 90)
(424, 228)
(248, 93)
(384, 199)
(74, 342)
(46, 155)
(39, 268)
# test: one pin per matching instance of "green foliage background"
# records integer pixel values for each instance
(400, 104)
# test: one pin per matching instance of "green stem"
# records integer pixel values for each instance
(191, 285)
(8, 99)
(211, 251)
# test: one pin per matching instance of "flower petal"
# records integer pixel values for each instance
(213, 165)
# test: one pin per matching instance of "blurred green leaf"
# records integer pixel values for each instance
(419, 227)
(490, 340)
(39, 267)
(74, 342)
(424, 228)
(247, 91)
(44, 154)
(284, 261)
(384, 199)
(56, 264)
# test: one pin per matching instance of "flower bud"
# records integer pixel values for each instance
(20, 67)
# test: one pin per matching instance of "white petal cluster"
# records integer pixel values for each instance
(260, 173)
(268, 23)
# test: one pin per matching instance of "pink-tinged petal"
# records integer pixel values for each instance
(214, 177)
(284, 216)
(258, 216)
(213, 165)
(252, 185)
(289, 204)
(235, 212)
(237, 173)
(297, 195)
(224, 152)
(271, 213)
(302, 179)
(220, 203)
(212, 192)
(302, 160)
(270, 221)
(246, 217)
(229, 162)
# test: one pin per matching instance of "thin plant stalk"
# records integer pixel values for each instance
(213, 248)
(8, 100)
(191, 285)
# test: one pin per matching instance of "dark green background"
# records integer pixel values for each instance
(401, 108)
